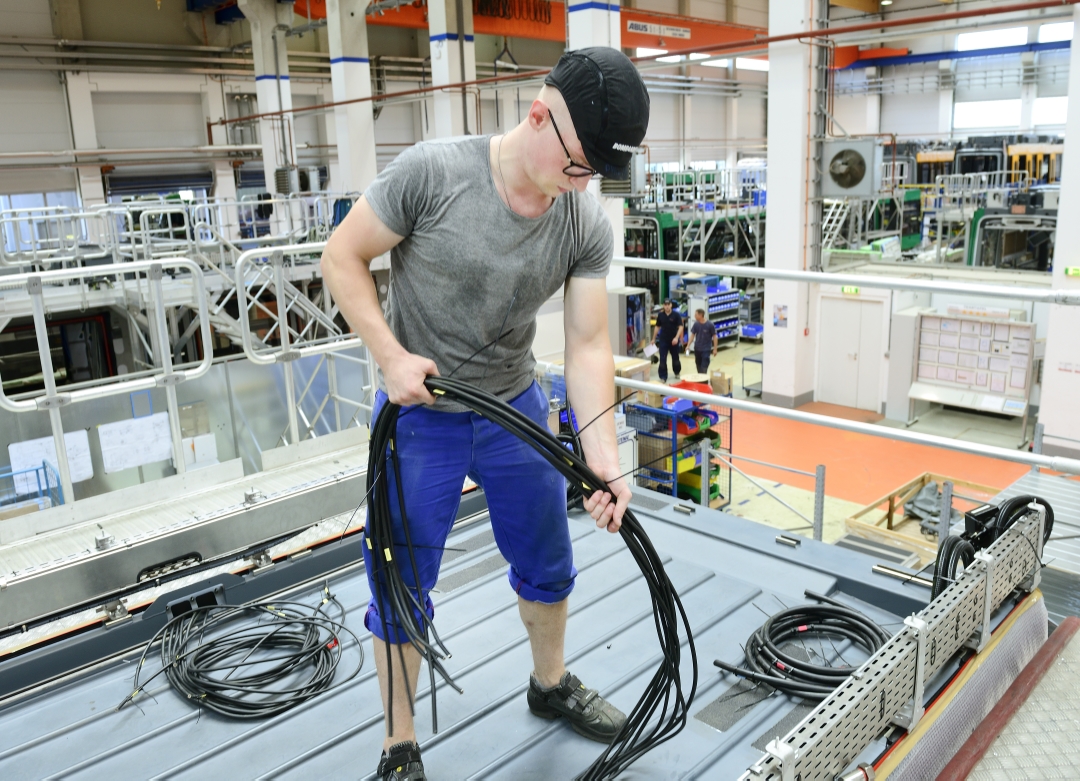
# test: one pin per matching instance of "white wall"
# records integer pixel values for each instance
(33, 117)
(139, 120)
(26, 18)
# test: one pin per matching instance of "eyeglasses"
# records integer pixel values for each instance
(574, 170)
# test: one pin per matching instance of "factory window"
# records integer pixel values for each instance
(991, 39)
(1050, 111)
(747, 64)
(710, 63)
(986, 114)
(1058, 31)
(653, 52)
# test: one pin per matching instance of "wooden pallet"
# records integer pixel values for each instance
(883, 520)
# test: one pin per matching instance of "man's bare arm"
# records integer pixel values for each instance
(346, 270)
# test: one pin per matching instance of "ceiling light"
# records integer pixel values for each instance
(886, 2)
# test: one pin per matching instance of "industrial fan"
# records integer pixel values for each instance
(851, 167)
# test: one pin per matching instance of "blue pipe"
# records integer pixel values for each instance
(999, 51)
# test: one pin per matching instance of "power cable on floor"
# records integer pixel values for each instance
(768, 662)
(251, 661)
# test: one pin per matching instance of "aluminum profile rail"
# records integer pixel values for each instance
(1056, 463)
(890, 687)
(1042, 296)
(165, 374)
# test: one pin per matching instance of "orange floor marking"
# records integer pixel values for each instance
(858, 467)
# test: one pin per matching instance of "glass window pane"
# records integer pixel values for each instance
(991, 39)
(1058, 31)
(1050, 111)
(986, 114)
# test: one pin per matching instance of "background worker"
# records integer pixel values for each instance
(703, 338)
(482, 231)
(668, 336)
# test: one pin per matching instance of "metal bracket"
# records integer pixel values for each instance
(912, 713)
(48, 402)
(785, 755)
(981, 637)
(103, 540)
(33, 285)
(165, 380)
(253, 495)
(289, 355)
(261, 561)
(115, 613)
(1035, 578)
(156, 272)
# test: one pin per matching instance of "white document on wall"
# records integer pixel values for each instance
(30, 454)
(130, 443)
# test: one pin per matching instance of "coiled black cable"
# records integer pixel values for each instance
(768, 663)
(957, 550)
(953, 552)
(251, 661)
(661, 713)
(1012, 510)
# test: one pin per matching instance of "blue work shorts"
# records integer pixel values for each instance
(526, 499)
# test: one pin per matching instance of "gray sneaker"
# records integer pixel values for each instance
(588, 713)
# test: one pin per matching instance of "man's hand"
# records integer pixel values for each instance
(675, 341)
(607, 513)
(405, 377)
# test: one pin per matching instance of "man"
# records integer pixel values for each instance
(703, 334)
(482, 231)
(668, 336)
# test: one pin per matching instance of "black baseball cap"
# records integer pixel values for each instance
(608, 103)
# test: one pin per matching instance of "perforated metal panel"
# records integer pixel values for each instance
(884, 690)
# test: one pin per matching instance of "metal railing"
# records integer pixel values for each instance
(147, 280)
(297, 325)
(1070, 297)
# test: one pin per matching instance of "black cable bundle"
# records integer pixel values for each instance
(661, 712)
(1012, 510)
(772, 666)
(218, 656)
(953, 551)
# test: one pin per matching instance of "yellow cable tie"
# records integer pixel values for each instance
(368, 541)
(439, 392)
(386, 552)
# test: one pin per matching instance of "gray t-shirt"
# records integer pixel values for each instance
(470, 271)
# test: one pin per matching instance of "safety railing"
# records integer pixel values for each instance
(39, 235)
(894, 174)
(296, 326)
(164, 233)
(145, 280)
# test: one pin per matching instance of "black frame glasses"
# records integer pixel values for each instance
(574, 170)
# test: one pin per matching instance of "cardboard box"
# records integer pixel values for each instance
(655, 400)
(631, 369)
(721, 383)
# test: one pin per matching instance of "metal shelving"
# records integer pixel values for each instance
(669, 450)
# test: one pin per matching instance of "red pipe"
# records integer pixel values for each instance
(867, 26)
(756, 42)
